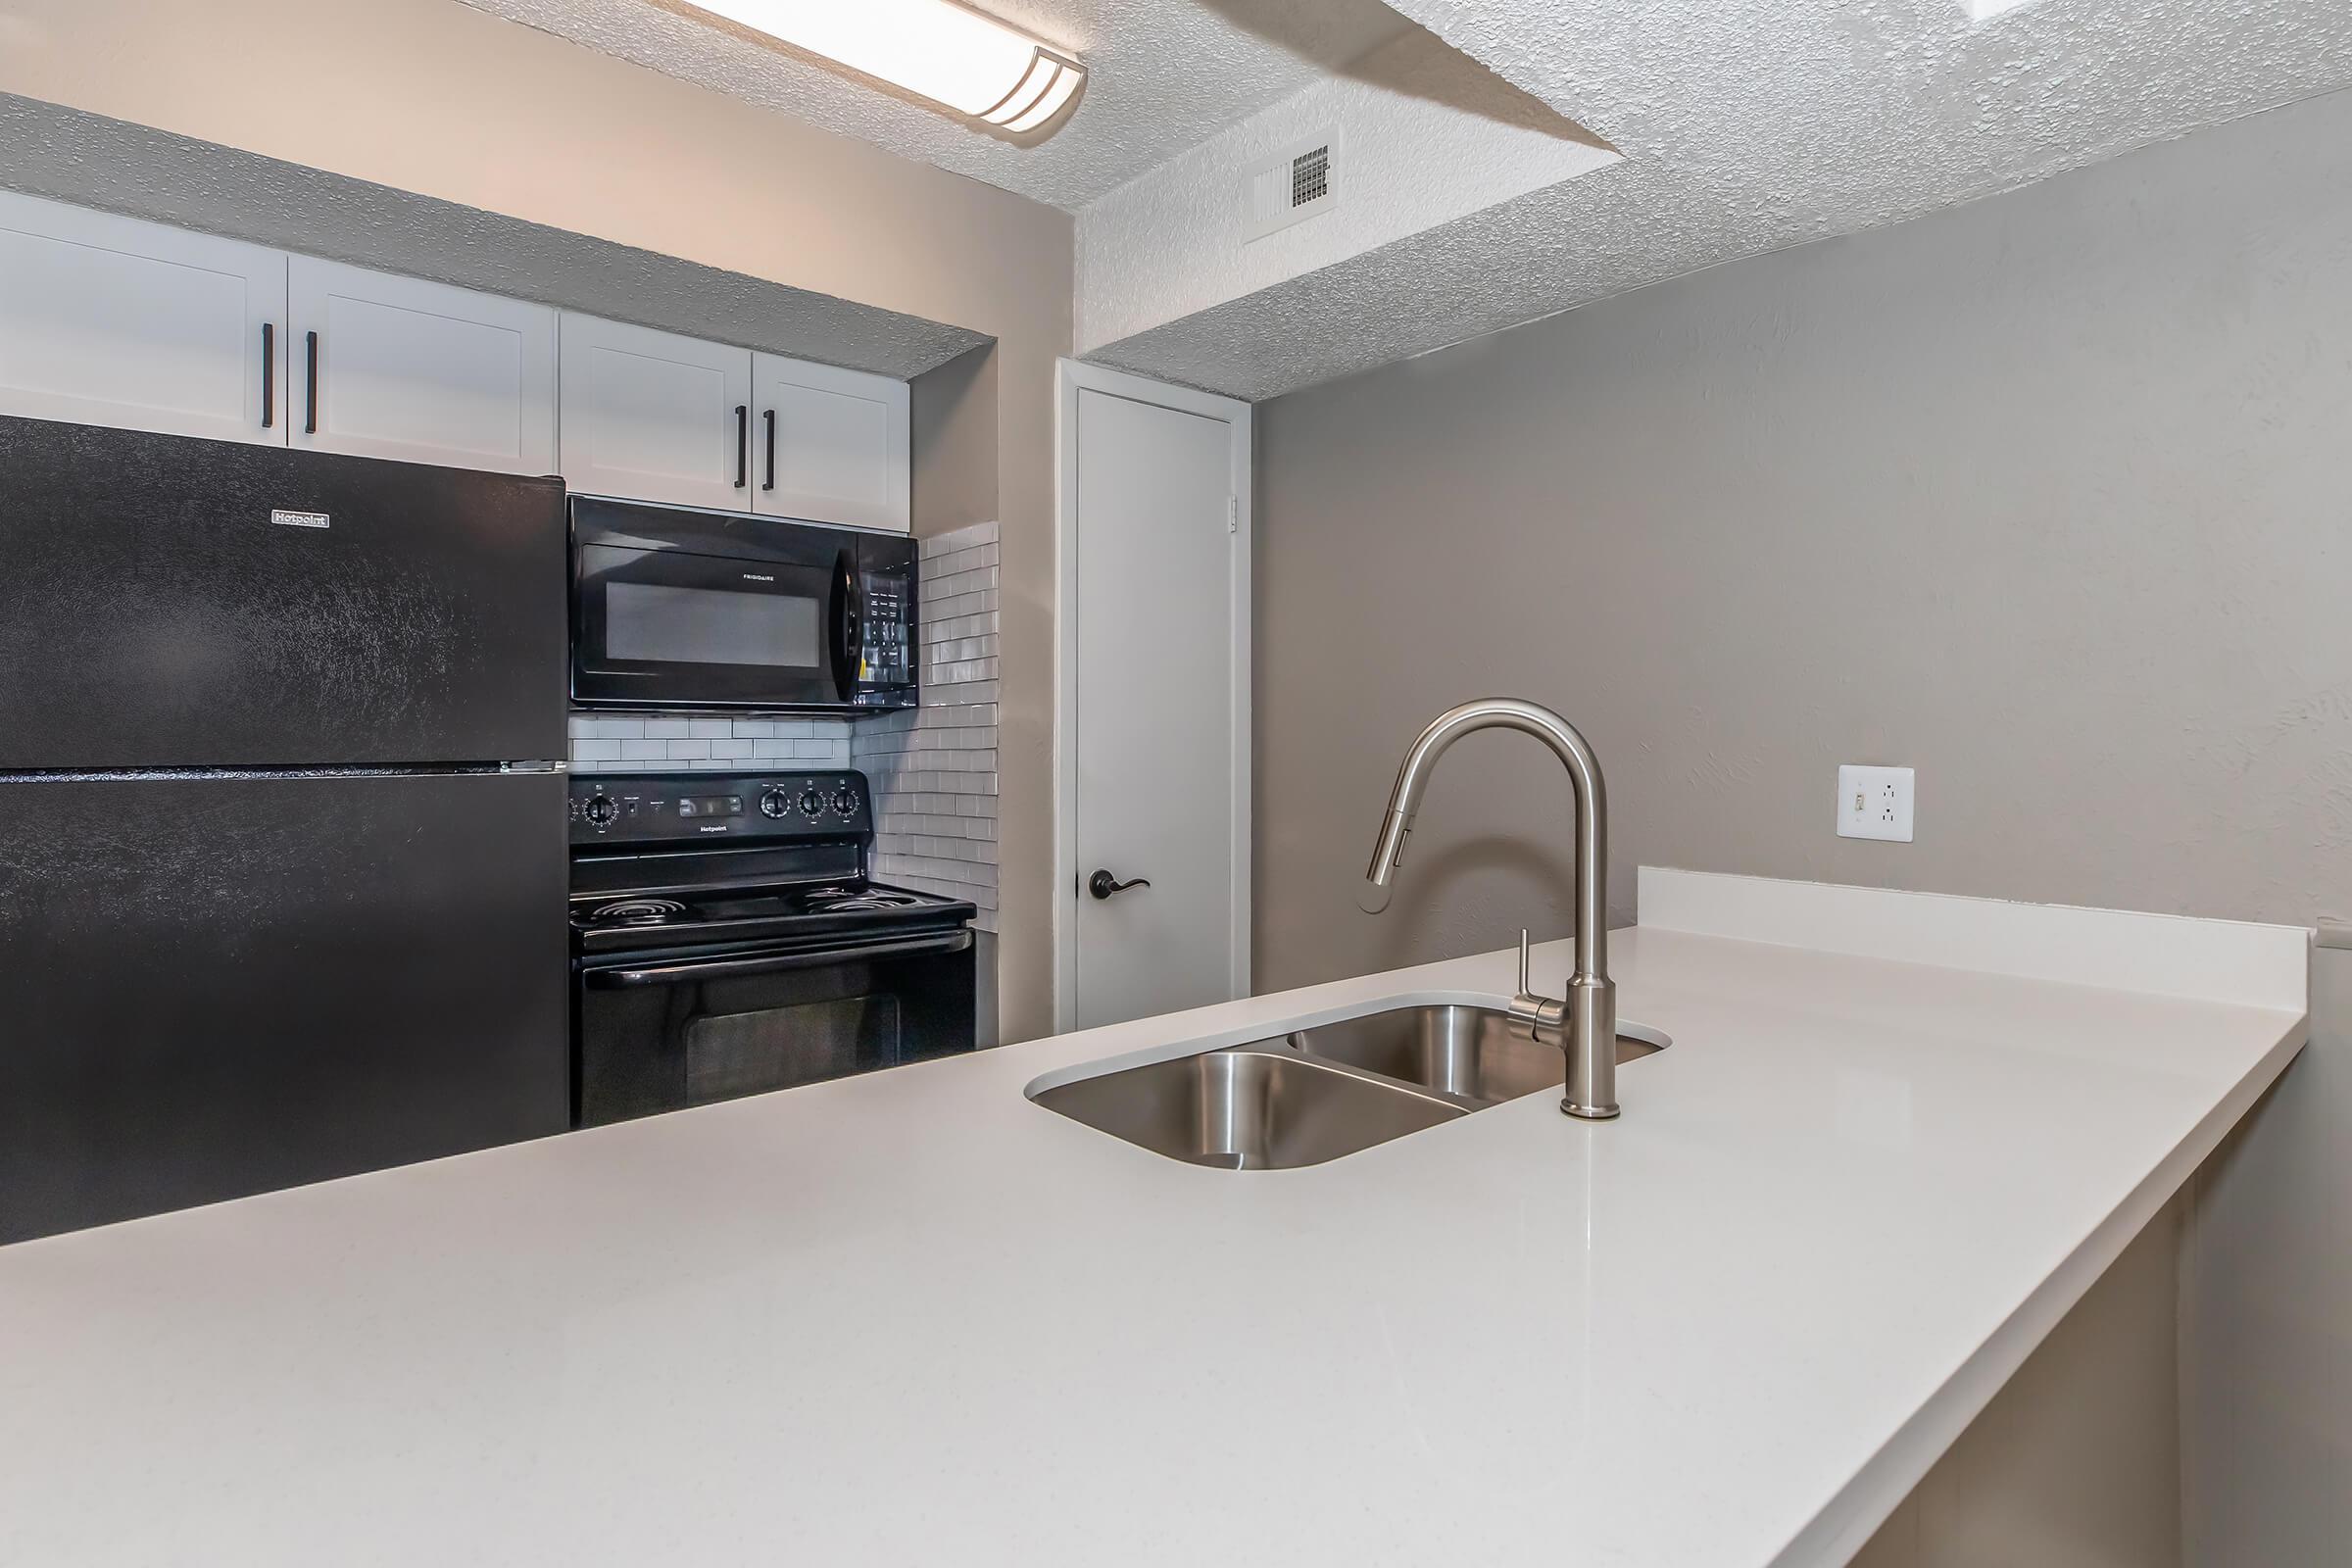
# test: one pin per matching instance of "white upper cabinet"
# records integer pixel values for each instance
(113, 321)
(832, 444)
(419, 371)
(653, 417)
(110, 321)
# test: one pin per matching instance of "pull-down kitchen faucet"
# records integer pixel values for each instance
(1584, 1025)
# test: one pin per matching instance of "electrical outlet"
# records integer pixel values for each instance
(1873, 803)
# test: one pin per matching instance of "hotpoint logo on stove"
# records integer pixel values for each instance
(716, 828)
(299, 519)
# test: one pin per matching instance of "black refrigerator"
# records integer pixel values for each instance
(282, 864)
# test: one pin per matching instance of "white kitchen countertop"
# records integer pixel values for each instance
(913, 1318)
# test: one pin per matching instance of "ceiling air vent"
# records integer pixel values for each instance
(1293, 186)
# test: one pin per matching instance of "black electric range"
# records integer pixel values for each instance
(727, 940)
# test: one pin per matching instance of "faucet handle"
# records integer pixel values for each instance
(1540, 1016)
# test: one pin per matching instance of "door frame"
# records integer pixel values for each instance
(1071, 378)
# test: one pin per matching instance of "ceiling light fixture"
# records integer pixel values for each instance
(937, 49)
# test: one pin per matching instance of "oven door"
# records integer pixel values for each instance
(674, 629)
(662, 1032)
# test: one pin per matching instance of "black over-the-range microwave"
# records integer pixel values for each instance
(678, 608)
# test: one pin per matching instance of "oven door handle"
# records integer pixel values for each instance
(777, 962)
(848, 626)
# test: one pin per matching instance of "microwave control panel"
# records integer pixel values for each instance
(890, 653)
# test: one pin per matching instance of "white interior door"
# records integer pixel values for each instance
(109, 320)
(651, 415)
(1154, 698)
(833, 444)
(422, 372)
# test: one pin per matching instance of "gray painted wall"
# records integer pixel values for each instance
(2045, 495)
(2267, 1315)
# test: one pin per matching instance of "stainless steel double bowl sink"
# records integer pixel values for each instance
(1317, 1094)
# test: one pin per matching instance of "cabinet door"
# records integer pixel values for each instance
(420, 372)
(839, 444)
(649, 416)
(109, 320)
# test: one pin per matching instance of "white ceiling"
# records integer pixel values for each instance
(1162, 75)
(1745, 125)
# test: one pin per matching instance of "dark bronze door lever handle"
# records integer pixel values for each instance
(1102, 884)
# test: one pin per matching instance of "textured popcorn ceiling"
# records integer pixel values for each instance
(1745, 125)
(1424, 133)
(1162, 75)
(1748, 125)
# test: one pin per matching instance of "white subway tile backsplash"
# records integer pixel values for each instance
(933, 772)
(655, 743)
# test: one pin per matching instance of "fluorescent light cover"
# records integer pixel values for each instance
(971, 63)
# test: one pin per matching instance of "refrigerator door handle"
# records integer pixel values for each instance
(310, 424)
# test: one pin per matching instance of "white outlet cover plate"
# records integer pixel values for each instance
(1873, 803)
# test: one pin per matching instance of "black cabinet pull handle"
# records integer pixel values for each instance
(743, 445)
(269, 374)
(1102, 884)
(770, 417)
(310, 425)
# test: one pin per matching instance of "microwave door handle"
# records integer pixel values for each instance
(778, 963)
(848, 627)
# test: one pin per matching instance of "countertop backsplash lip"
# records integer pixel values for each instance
(2190, 957)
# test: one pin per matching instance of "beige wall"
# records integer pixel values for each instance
(2049, 497)
(432, 97)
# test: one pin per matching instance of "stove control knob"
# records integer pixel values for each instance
(845, 800)
(600, 811)
(774, 802)
(812, 803)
